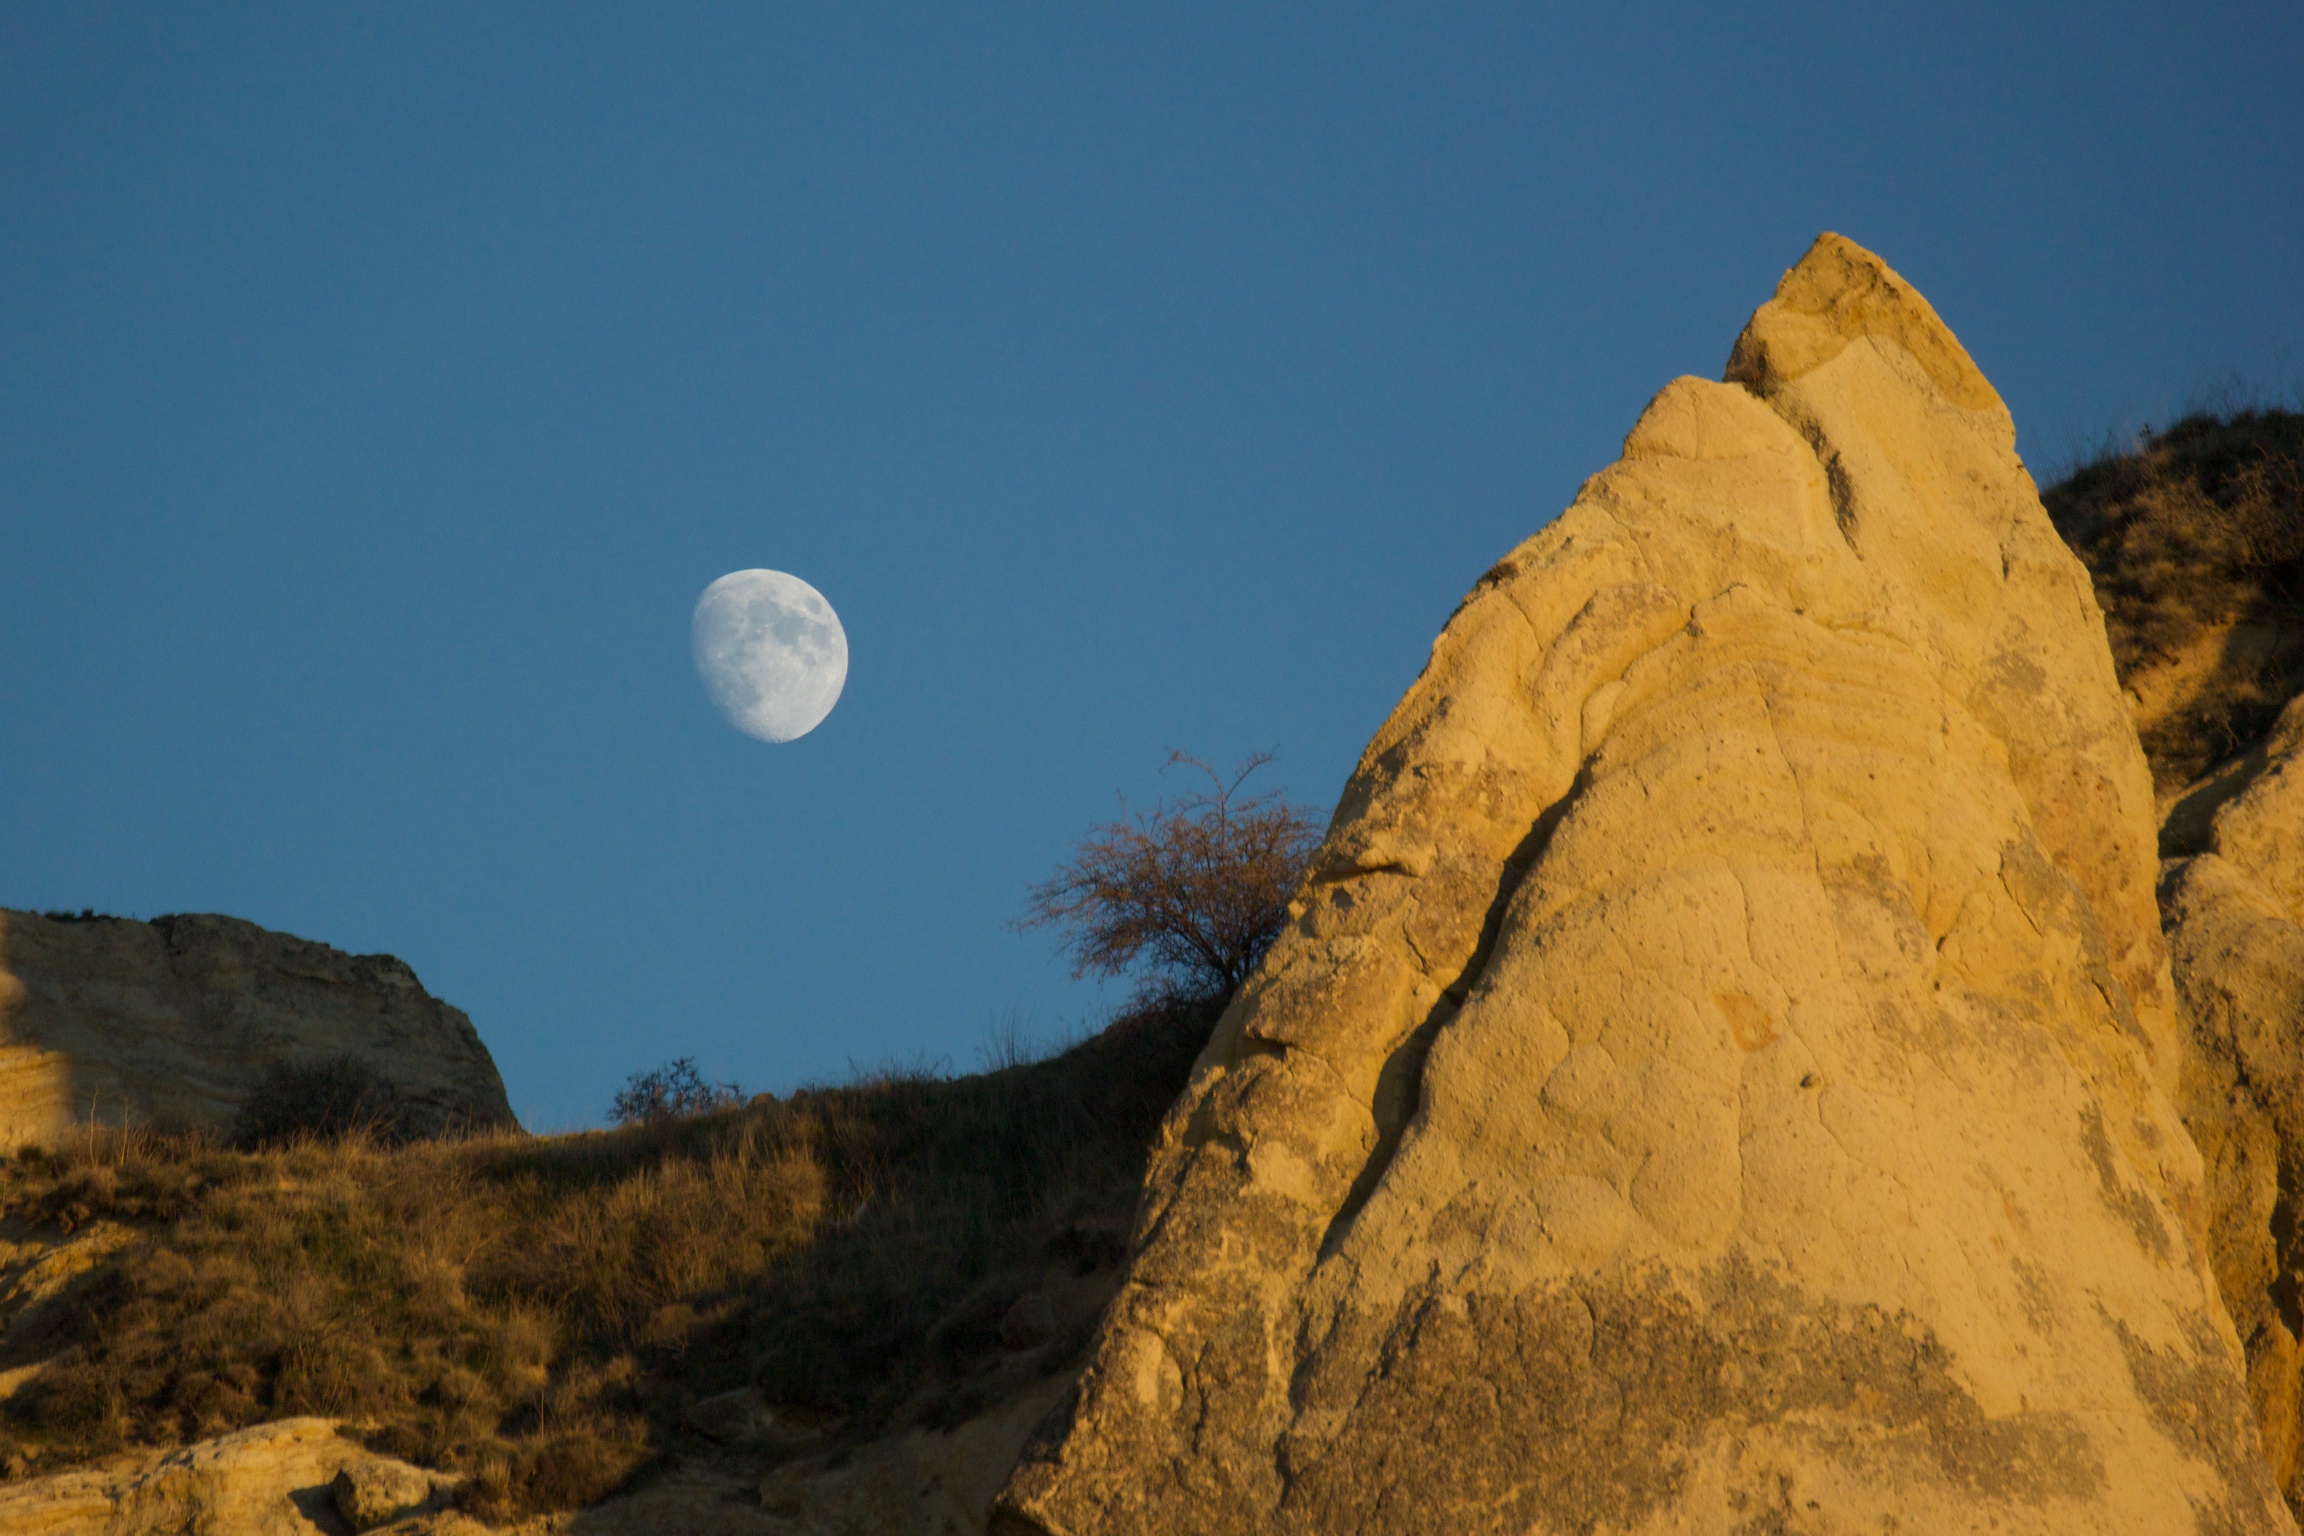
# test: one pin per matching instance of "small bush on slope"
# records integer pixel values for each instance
(537, 1313)
(674, 1091)
(324, 1100)
(2196, 537)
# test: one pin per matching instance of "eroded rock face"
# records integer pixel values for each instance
(1719, 1073)
(177, 1019)
(2235, 915)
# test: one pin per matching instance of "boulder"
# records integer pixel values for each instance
(745, 1418)
(2235, 918)
(1719, 1071)
(1030, 1323)
(176, 1020)
(378, 1492)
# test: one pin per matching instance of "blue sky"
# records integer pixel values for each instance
(379, 387)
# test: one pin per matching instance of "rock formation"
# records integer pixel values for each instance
(273, 1480)
(177, 1020)
(304, 1476)
(2234, 900)
(1719, 1074)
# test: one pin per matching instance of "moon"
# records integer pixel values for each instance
(771, 652)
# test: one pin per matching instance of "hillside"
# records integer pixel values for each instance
(2194, 538)
(539, 1318)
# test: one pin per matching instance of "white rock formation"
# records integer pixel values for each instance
(1718, 1076)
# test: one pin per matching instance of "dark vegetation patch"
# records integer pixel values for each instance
(2197, 531)
(325, 1100)
(537, 1314)
(673, 1091)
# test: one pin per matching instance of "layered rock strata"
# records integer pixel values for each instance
(1718, 1074)
(175, 1021)
(2235, 922)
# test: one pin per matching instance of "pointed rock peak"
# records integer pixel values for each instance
(1744, 923)
(1837, 294)
(1698, 419)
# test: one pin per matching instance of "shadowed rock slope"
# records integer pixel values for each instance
(176, 1021)
(1719, 1075)
(2195, 538)
(2235, 916)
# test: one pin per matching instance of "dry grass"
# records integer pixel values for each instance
(2198, 528)
(535, 1313)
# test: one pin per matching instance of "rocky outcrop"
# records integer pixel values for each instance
(274, 1480)
(42, 1274)
(304, 1477)
(2194, 534)
(1718, 1074)
(2235, 915)
(175, 1021)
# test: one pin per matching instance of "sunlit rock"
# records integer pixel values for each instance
(1719, 1074)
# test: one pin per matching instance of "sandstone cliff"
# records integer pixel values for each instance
(1720, 1072)
(2194, 535)
(2235, 913)
(176, 1020)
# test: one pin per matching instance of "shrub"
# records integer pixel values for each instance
(322, 1100)
(1187, 895)
(674, 1091)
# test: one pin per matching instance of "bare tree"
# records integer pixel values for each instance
(1188, 895)
(674, 1091)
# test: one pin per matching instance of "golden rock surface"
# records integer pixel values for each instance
(1720, 1071)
